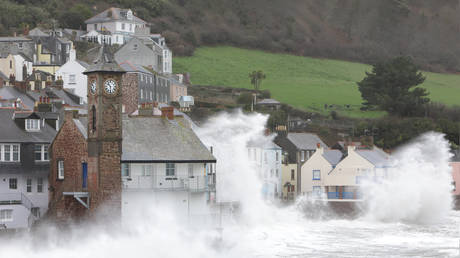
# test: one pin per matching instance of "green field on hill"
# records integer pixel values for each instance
(303, 82)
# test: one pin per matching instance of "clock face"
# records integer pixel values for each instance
(110, 86)
(93, 87)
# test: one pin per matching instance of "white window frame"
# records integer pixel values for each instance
(32, 124)
(6, 215)
(316, 174)
(72, 78)
(147, 170)
(125, 170)
(10, 181)
(12, 149)
(40, 185)
(44, 155)
(29, 185)
(60, 169)
(170, 167)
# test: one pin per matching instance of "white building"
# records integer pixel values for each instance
(315, 171)
(165, 163)
(266, 157)
(361, 163)
(71, 73)
(112, 26)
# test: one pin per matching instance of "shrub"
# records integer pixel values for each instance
(245, 98)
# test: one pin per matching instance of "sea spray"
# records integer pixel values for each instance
(418, 184)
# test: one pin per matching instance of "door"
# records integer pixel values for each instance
(84, 167)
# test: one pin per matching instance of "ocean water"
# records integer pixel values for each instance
(408, 214)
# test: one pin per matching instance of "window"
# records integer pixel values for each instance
(20, 45)
(130, 27)
(302, 155)
(122, 26)
(72, 78)
(93, 111)
(317, 191)
(265, 157)
(316, 174)
(32, 124)
(170, 169)
(146, 170)
(151, 96)
(292, 174)
(39, 185)
(60, 169)
(95, 26)
(142, 93)
(9, 152)
(125, 170)
(277, 173)
(6, 215)
(29, 185)
(13, 182)
(11, 64)
(271, 172)
(277, 156)
(35, 211)
(41, 152)
(249, 153)
(134, 46)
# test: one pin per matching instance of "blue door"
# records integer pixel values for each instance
(84, 167)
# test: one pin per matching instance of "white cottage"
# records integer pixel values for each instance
(361, 163)
(266, 157)
(164, 162)
(316, 170)
(71, 73)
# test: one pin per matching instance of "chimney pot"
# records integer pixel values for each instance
(318, 145)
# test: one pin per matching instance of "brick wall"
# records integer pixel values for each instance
(130, 91)
(70, 146)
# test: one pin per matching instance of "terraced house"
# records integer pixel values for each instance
(24, 164)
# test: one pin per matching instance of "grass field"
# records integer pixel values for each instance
(303, 82)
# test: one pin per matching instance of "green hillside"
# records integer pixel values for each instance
(303, 82)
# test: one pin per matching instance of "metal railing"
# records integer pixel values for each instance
(15, 199)
(169, 183)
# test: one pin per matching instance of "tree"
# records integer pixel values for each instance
(256, 78)
(393, 86)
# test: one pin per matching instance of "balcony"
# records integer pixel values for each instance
(170, 183)
(15, 199)
(344, 195)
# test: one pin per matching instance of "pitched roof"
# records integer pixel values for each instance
(263, 143)
(36, 32)
(129, 67)
(375, 156)
(81, 126)
(13, 93)
(156, 139)
(12, 132)
(83, 63)
(104, 62)
(333, 156)
(305, 141)
(113, 14)
(14, 39)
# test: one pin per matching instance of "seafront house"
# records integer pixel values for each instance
(112, 26)
(299, 147)
(24, 164)
(136, 52)
(361, 163)
(266, 158)
(72, 77)
(17, 65)
(288, 181)
(316, 169)
(455, 164)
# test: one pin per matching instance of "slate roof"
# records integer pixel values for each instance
(104, 62)
(113, 14)
(83, 63)
(54, 93)
(13, 93)
(14, 39)
(12, 132)
(36, 32)
(81, 125)
(305, 141)
(375, 156)
(161, 140)
(129, 67)
(333, 156)
(263, 143)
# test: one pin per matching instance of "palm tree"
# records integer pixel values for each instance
(256, 78)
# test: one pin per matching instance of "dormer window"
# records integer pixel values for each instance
(32, 124)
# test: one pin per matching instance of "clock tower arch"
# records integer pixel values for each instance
(104, 132)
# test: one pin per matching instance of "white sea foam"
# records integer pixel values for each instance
(417, 192)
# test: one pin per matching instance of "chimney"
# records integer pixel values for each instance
(167, 112)
(145, 109)
(319, 148)
(70, 114)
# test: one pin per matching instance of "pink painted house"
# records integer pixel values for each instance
(456, 176)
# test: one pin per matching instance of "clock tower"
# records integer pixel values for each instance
(104, 133)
